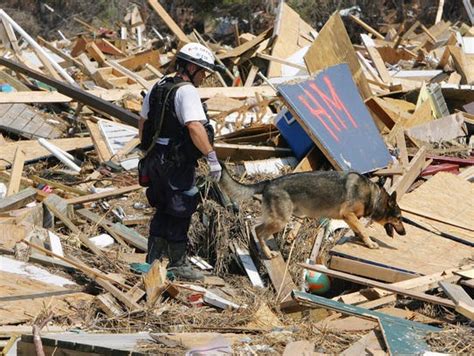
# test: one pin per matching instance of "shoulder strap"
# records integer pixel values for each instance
(162, 114)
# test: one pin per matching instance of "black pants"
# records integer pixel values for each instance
(174, 195)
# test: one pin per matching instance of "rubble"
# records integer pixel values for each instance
(397, 106)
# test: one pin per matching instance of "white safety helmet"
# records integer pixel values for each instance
(198, 54)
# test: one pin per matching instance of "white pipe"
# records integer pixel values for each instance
(34, 44)
(56, 151)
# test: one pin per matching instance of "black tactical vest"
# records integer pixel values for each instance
(171, 127)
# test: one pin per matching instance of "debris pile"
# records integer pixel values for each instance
(397, 107)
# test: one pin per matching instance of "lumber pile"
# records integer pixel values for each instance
(396, 106)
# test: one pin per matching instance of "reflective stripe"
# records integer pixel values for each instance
(163, 141)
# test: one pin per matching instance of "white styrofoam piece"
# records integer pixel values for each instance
(468, 45)
(272, 165)
(55, 244)
(11, 265)
(296, 58)
(102, 240)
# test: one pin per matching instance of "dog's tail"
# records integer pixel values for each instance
(238, 191)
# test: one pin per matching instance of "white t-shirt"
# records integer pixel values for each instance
(187, 104)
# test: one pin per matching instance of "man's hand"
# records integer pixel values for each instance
(215, 168)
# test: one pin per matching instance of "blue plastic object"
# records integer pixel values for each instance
(298, 140)
(6, 88)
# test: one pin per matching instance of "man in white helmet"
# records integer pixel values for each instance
(175, 133)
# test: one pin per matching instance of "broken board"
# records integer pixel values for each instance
(330, 109)
(333, 46)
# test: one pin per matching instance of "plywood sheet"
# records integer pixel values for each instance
(333, 46)
(288, 30)
(419, 251)
(444, 197)
(25, 310)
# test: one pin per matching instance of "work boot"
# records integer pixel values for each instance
(157, 248)
(179, 264)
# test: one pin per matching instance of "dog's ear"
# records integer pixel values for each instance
(393, 196)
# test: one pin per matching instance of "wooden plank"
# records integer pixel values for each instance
(103, 195)
(18, 200)
(47, 64)
(280, 60)
(368, 270)
(366, 27)
(125, 150)
(420, 284)
(17, 170)
(56, 184)
(371, 283)
(71, 61)
(91, 272)
(376, 59)
(249, 152)
(117, 293)
(238, 51)
(95, 53)
(383, 116)
(236, 92)
(465, 309)
(464, 64)
(155, 282)
(76, 93)
(71, 226)
(129, 235)
(277, 271)
(161, 12)
(109, 305)
(103, 152)
(129, 74)
(251, 76)
(456, 293)
(414, 169)
(469, 274)
(141, 59)
(333, 46)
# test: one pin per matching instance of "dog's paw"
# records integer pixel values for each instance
(269, 254)
(371, 244)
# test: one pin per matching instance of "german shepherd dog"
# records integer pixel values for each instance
(335, 195)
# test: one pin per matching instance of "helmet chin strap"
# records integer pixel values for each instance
(189, 74)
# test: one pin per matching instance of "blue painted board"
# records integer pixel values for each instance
(403, 337)
(330, 109)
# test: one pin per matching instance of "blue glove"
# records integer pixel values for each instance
(215, 168)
